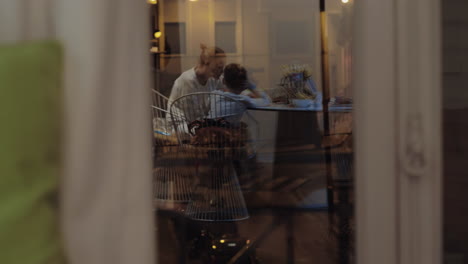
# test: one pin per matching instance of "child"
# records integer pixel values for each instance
(236, 82)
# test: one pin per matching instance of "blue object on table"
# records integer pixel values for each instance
(312, 85)
(161, 133)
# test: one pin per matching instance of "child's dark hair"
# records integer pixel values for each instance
(235, 77)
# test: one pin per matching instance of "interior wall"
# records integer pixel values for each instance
(259, 22)
(225, 10)
(339, 23)
(171, 65)
(283, 18)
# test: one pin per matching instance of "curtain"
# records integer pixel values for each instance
(106, 210)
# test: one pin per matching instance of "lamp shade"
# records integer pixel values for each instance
(157, 34)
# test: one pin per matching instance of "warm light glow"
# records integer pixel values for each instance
(214, 247)
(222, 241)
(247, 242)
(152, 2)
(193, 0)
(157, 34)
(345, 1)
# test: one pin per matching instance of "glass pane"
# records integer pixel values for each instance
(175, 38)
(455, 129)
(252, 122)
(225, 33)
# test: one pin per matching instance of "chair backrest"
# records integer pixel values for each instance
(161, 120)
(209, 120)
(159, 105)
(341, 134)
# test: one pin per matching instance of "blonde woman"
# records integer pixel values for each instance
(204, 77)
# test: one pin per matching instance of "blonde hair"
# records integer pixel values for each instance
(208, 53)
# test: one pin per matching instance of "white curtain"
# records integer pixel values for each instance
(106, 209)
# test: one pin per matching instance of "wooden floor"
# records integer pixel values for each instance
(289, 222)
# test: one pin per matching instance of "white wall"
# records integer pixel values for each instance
(257, 22)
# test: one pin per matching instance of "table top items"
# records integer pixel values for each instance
(308, 105)
(296, 84)
(340, 103)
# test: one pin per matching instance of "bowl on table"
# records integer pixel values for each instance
(302, 103)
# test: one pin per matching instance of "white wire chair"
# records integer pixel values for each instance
(339, 158)
(341, 145)
(172, 176)
(213, 131)
(342, 155)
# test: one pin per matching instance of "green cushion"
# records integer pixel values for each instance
(30, 114)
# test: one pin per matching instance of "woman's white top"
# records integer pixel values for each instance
(187, 83)
(221, 106)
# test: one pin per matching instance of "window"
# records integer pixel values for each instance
(225, 36)
(175, 38)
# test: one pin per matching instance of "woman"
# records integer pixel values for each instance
(205, 77)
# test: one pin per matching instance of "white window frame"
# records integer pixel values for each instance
(398, 131)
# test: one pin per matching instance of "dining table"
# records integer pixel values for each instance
(305, 126)
(301, 125)
(344, 108)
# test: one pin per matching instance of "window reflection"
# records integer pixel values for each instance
(246, 170)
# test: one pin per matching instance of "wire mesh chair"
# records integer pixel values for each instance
(340, 144)
(339, 157)
(172, 176)
(211, 130)
(342, 156)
